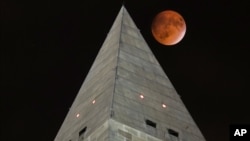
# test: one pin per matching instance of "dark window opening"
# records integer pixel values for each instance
(81, 134)
(82, 131)
(173, 133)
(150, 123)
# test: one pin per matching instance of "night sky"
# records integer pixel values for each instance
(47, 49)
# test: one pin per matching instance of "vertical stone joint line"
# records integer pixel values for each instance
(116, 67)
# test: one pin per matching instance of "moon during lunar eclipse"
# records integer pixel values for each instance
(168, 27)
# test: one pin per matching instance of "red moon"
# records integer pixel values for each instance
(168, 27)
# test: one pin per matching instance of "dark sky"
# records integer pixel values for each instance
(47, 49)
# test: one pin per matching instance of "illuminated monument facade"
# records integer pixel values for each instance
(126, 95)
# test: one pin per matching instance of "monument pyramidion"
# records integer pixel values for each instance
(126, 95)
